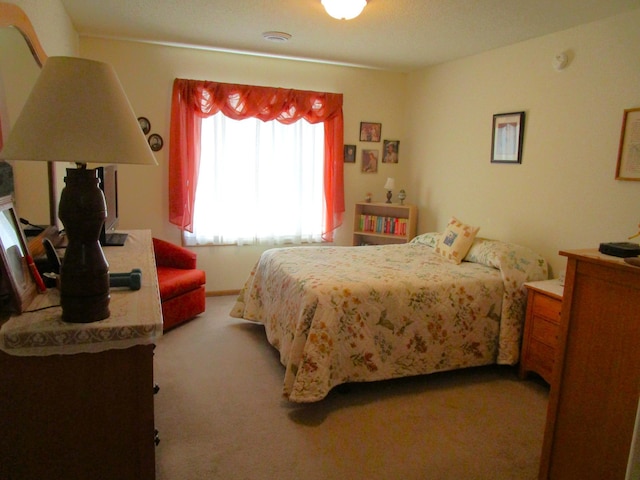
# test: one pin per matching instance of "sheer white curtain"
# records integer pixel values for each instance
(259, 182)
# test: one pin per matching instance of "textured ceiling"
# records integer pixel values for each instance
(400, 35)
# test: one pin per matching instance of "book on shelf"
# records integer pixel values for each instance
(380, 224)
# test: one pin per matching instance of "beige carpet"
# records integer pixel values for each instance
(221, 416)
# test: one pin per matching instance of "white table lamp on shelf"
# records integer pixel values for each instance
(78, 112)
(389, 186)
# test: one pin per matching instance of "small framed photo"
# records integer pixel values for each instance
(506, 140)
(13, 250)
(370, 161)
(155, 142)
(370, 132)
(145, 124)
(349, 154)
(628, 166)
(391, 151)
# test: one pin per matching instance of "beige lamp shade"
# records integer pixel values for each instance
(390, 184)
(78, 112)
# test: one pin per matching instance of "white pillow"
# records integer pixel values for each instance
(456, 240)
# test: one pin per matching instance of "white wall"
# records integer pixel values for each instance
(147, 73)
(52, 24)
(563, 195)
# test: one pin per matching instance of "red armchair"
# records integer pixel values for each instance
(181, 284)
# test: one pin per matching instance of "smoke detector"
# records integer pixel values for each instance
(276, 36)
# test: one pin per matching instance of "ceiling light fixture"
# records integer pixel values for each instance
(276, 36)
(344, 9)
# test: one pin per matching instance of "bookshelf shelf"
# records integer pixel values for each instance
(384, 223)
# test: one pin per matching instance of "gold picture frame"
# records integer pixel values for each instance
(628, 165)
(350, 153)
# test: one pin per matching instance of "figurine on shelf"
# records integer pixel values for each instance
(401, 196)
(367, 197)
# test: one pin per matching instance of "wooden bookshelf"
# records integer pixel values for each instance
(384, 223)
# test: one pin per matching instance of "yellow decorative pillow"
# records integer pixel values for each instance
(456, 240)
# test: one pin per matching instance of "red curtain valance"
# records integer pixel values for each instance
(196, 99)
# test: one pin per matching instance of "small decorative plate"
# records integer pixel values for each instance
(145, 124)
(155, 142)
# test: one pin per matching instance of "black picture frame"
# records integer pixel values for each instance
(155, 142)
(507, 137)
(145, 124)
(14, 253)
(350, 154)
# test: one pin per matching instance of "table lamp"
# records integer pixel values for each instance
(388, 186)
(78, 112)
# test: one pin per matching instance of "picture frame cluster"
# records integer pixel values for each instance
(371, 157)
(155, 140)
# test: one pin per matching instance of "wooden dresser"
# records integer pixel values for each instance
(542, 325)
(76, 400)
(596, 380)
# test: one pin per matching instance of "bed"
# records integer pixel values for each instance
(354, 314)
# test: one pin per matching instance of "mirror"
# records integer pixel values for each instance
(21, 57)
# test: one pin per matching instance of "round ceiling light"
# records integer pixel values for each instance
(276, 36)
(344, 9)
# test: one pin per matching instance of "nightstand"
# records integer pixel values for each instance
(541, 328)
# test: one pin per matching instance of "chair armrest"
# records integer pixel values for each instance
(174, 256)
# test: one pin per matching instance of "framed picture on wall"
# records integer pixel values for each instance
(507, 136)
(349, 153)
(370, 161)
(391, 151)
(628, 166)
(370, 132)
(145, 124)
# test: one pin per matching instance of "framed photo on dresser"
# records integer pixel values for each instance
(16, 275)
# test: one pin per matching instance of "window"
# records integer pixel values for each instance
(259, 182)
(194, 101)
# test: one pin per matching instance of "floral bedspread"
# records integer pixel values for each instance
(349, 314)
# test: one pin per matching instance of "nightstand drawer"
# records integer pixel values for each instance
(544, 331)
(547, 307)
